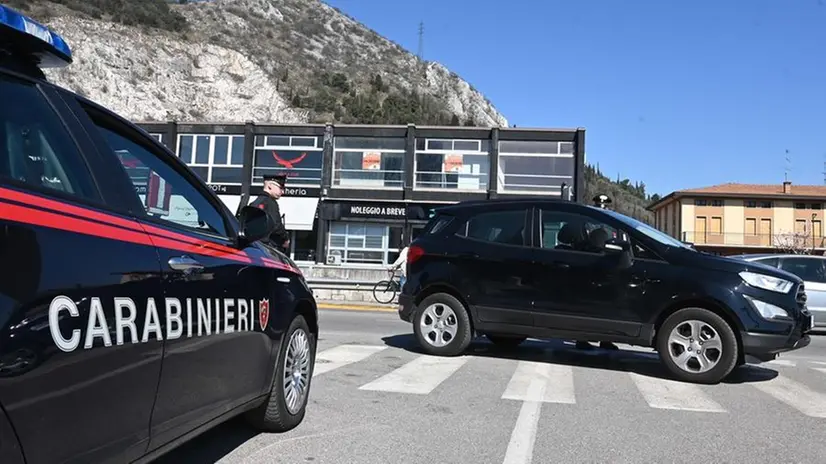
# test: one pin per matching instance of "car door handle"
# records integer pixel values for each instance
(560, 265)
(185, 264)
(284, 280)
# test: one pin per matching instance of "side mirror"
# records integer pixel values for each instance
(621, 249)
(616, 245)
(255, 223)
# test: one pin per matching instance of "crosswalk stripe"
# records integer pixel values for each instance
(671, 394)
(523, 436)
(343, 355)
(557, 380)
(419, 376)
(794, 394)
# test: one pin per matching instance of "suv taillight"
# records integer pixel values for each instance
(414, 253)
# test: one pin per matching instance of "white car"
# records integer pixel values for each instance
(810, 268)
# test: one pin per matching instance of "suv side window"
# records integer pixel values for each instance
(165, 194)
(808, 269)
(505, 227)
(639, 251)
(573, 232)
(773, 262)
(36, 150)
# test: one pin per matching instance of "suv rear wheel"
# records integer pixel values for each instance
(697, 346)
(442, 325)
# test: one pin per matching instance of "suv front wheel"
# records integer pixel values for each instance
(442, 325)
(697, 345)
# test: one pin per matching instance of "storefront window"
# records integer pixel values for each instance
(299, 157)
(303, 243)
(360, 242)
(217, 159)
(535, 166)
(452, 164)
(371, 162)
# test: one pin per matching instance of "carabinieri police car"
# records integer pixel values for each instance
(135, 310)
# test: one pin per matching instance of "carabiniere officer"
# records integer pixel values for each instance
(273, 189)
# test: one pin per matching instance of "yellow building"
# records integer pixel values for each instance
(745, 218)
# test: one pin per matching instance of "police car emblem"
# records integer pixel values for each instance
(263, 313)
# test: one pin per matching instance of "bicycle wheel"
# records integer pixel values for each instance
(384, 291)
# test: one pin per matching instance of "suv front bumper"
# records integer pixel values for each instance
(765, 347)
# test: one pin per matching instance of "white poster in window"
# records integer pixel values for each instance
(453, 164)
(371, 161)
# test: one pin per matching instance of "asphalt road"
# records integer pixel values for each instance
(375, 400)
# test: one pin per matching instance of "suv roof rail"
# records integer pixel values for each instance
(26, 46)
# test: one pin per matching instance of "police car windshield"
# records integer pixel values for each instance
(648, 230)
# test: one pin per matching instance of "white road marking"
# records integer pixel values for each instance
(343, 355)
(822, 370)
(558, 383)
(794, 394)
(781, 362)
(523, 437)
(822, 363)
(671, 394)
(419, 376)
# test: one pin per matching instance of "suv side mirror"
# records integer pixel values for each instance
(616, 245)
(255, 223)
(621, 249)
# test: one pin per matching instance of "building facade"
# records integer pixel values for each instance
(745, 218)
(355, 194)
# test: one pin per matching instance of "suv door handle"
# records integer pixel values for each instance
(468, 255)
(560, 264)
(185, 264)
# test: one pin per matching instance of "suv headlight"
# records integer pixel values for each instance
(765, 282)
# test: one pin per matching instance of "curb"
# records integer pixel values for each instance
(355, 307)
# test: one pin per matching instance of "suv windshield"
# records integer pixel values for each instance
(647, 230)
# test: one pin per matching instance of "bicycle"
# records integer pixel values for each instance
(389, 286)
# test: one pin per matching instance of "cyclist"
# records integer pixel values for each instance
(401, 264)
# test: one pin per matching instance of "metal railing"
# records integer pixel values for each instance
(783, 240)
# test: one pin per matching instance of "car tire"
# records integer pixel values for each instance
(275, 414)
(689, 321)
(507, 342)
(453, 313)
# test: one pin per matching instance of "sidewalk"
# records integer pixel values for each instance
(357, 306)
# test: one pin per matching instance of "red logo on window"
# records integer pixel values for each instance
(288, 163)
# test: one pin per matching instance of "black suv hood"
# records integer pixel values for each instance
(711, 262)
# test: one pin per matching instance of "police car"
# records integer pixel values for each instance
(135, 310)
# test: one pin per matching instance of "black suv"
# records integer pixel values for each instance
(513, 269)
(136, 311)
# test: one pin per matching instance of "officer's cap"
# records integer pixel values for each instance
(280, 179)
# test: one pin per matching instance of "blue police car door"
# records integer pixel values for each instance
(216, 355)
(79, 365)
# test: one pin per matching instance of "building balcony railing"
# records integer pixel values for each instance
(782, 241)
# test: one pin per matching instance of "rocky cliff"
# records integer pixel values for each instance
(261, 60)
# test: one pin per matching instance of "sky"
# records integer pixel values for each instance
(676, 94)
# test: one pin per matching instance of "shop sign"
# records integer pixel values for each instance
(374, 210)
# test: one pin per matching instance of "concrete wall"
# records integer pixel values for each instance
(359, 283)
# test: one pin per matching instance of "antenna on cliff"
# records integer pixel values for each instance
(788, 166)
(420, 54)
